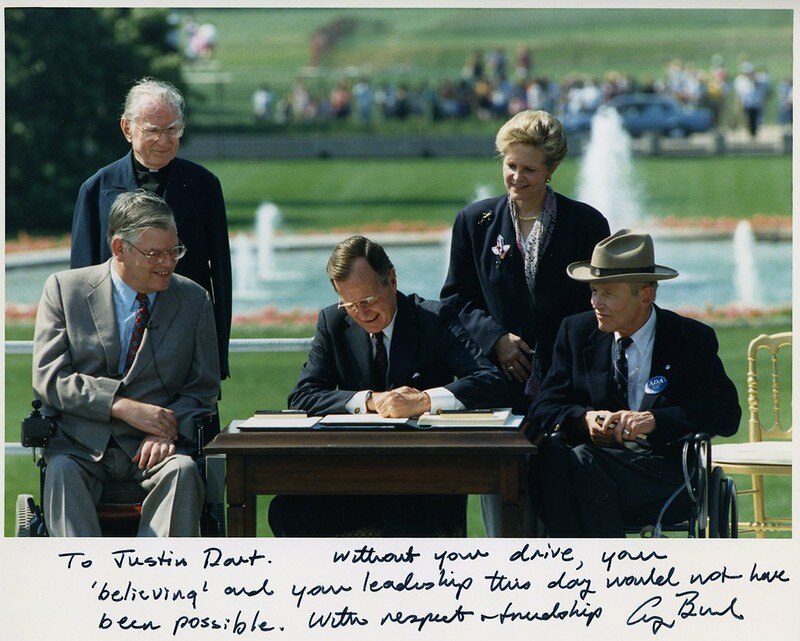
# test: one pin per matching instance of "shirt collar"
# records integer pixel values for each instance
(389, 329)
(643, 336)
(125, 292)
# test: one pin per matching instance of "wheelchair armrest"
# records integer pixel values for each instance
(201, 423)
(36, 429)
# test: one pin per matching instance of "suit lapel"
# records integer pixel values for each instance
(597, 364)
(123, 180)
(664, 344)
(359, 347)
(513, 284)
(405, 343)
(166, 306)
(179, 193)
(100, 300)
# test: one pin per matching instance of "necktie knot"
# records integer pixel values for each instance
(624, 342)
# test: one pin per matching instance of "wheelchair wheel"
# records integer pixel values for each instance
(715, 487)
(24, 515)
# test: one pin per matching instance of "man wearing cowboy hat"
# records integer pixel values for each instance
(628, 380)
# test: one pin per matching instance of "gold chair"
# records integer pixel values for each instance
(769, 450)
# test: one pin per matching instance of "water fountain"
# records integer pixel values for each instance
(606, 177)
(245, 283)
(289, 272)
(267, 218)
(482, 192)
(746, 271)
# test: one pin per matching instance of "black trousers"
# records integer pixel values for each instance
(590, 491)
(386, 516)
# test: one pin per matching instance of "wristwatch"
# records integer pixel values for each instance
(367, 396)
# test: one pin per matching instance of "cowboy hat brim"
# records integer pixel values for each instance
(582, 271)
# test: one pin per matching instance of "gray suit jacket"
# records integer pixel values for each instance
(76, 354)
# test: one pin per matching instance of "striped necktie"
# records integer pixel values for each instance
(139, 323)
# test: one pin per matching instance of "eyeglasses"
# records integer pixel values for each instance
(158, 256)
(364, 303)
(151, 133)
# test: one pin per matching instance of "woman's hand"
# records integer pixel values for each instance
(513, 355)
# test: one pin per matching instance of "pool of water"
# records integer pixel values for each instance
(299, 282)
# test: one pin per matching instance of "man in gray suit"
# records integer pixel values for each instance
(125, 357)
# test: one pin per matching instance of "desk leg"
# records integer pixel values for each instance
(234, 482)
(510, 499)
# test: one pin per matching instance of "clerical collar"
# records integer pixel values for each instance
(154, 180)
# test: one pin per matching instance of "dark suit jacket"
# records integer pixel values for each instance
(492, 301)
(76, 352)
(698, 396)
(195, 197)
(428, 349)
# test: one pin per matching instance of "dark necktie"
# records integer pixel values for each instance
(139, 323)
(380, 365)
(621, 371)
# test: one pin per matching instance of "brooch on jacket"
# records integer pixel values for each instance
(486, 217)
(500, 250)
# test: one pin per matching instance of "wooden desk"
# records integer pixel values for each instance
(401, 461)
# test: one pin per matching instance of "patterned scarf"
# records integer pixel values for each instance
(534, 246)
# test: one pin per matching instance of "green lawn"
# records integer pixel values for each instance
(414, 45)
(353, 193)
(264, 380)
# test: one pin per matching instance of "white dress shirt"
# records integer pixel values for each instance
(441, 398)
(640, 358)
(125, 308)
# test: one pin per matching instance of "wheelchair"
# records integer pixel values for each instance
(120, 505)
(713, 502)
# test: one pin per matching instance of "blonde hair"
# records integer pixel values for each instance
(538, 129)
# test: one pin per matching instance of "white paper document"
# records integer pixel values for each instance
(278, 423)
(361, 419)
(472, 419)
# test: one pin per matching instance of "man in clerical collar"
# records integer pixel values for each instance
(152, 122)
(628, 380)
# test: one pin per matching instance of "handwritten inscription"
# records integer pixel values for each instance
(657, 614)
(247, 591)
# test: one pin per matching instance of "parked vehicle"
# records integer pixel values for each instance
(646, 113)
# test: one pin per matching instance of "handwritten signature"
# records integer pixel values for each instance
(689, 607)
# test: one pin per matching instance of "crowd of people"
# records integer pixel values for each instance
(489, 87)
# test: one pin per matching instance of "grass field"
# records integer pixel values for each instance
(412, 45)
(266, 379)
(317, 195)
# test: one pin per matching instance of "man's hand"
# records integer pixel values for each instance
(513, 355)
(152, 450)
(607, 429)
(403, 402)
(150, 419)
(597, 426)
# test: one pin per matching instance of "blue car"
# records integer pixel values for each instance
(646, 113)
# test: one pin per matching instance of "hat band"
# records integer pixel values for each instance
(609, 271)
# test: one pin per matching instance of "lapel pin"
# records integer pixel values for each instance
(655, 385)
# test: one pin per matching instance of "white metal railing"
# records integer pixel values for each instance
(235, 345)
